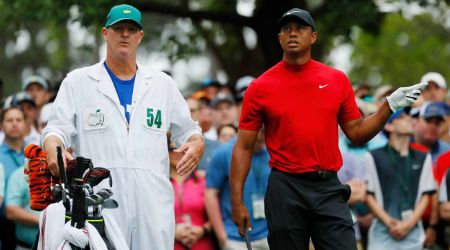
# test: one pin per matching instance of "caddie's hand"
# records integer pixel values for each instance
(52, 159)
(241, 218)
(193, 152)
(405, 96)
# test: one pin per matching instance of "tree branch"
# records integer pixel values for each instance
(218, 16)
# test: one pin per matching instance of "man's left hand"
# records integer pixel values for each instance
(193, 151)
(405, 96)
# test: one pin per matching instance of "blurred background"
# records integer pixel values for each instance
(375, 42)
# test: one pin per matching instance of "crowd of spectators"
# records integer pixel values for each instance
(389, 187)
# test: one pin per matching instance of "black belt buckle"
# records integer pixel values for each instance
(322, 174)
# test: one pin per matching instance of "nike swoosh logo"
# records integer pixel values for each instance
(322, 86)
(292, 12)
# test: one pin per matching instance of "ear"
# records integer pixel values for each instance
(313, 37)
(389, 127)
(142, 36)
(104, 33)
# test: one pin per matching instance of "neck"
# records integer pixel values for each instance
(123, 68)
(13, 143)
(297, 59)
(400, 143)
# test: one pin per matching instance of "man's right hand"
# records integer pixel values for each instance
(50, 145)
(241, 217)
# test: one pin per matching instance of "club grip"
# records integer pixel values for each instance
(62, 170)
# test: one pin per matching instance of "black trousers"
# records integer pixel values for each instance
(311, 205)
(7, 234)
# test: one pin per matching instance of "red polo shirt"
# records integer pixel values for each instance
(300, 107)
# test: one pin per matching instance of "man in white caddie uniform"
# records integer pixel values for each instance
(117, 113)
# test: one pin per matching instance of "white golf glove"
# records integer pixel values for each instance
(405, 96)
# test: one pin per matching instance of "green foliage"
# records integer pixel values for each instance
(402, 52)
(335, 18)
(43, 25)
(183, 28)
(180, 40)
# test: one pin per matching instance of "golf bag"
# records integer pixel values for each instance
(72, 216)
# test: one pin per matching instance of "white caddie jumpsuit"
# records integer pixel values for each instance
(88, 117)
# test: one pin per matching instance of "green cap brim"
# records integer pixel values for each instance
(124, 19)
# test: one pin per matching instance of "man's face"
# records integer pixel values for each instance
(30, 112)
(403, 125)
(14, 124)
(206, 117)
(296, 38)
(39, 94)
(194, 107)
(225, 113)
(434, 93)
(427, 130)
(123, 38)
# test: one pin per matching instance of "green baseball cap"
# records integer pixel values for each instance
(123, 12)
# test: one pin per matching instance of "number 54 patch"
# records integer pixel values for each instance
(154, 118)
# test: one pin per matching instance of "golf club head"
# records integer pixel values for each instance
(96, 175)
(57, 192)
(76, 169)
(104, 193)
(98, 198)
(93, 200)
(88, 189)
(110, 203)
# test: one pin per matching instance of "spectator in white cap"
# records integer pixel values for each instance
(38, 88)
(436, 91)
(239, 90)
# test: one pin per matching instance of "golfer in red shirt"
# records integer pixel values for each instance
(301, 102)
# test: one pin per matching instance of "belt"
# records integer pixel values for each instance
(321, 174)
(315, 175)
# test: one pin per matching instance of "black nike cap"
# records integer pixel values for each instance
(297, 14)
